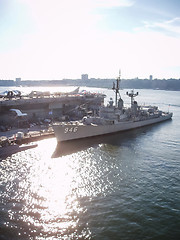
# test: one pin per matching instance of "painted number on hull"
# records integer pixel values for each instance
(71, 130)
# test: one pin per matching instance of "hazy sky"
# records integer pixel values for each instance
(56, 39)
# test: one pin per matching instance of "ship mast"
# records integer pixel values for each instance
(116, 88)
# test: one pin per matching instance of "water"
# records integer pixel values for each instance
(124, 186)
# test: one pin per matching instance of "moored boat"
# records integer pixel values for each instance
(111, 119)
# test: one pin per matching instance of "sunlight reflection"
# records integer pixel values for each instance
(53, 184)
(55, 190)
(49, 200)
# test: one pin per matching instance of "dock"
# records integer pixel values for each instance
(19, 136)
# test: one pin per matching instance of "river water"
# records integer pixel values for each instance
(124, 186)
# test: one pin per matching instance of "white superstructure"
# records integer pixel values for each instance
(111, 119)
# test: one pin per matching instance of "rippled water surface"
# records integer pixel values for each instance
(124, 186)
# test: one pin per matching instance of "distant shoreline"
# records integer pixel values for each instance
(156, 84)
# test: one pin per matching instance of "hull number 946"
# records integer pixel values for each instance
(70, 129)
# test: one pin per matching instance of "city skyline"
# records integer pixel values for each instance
(63, 39)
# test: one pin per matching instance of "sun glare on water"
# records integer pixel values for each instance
(51, 201)
(52, 196)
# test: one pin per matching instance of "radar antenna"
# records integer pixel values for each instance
(132, 95)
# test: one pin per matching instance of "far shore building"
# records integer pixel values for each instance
(151, 77)
(18, 81)
(84, 77)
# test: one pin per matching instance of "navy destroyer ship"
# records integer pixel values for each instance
(111, 118)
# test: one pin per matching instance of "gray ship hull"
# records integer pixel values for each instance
(74, 131)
